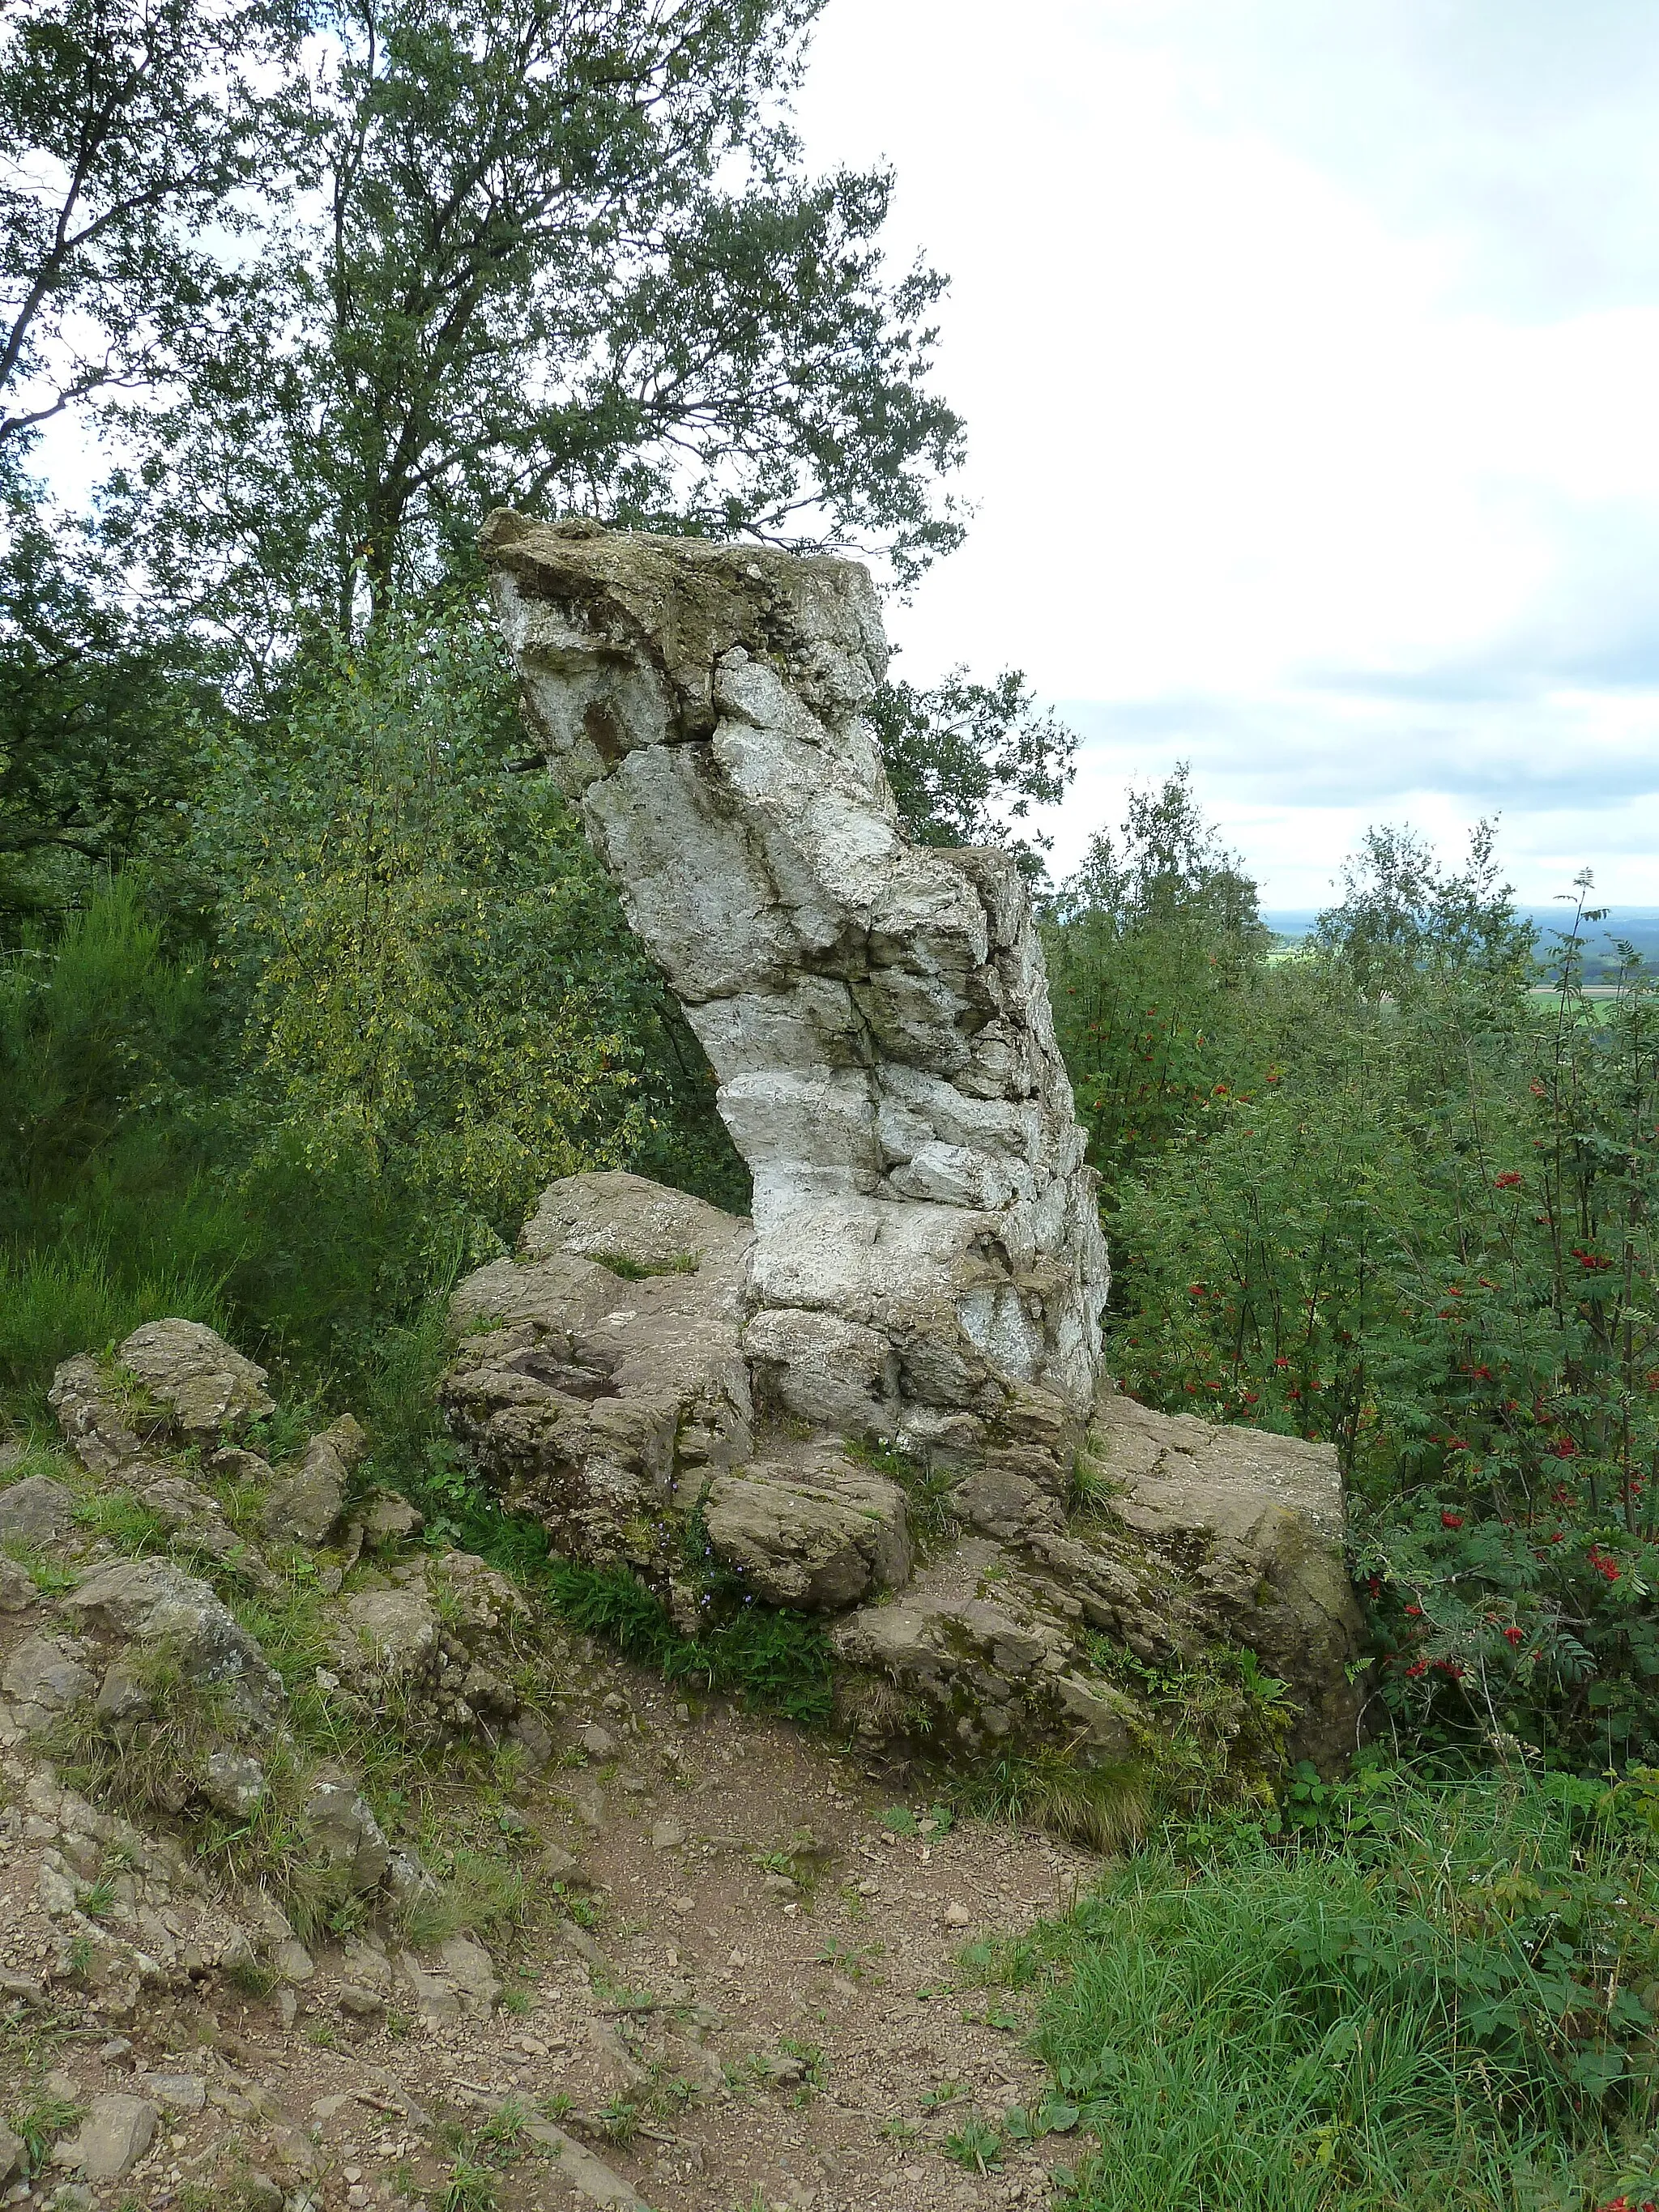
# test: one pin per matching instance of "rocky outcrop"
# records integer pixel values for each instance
(928, 1263)
(613, 1376)
(205, 1386)
(1197, 1537)
(612, 1404)
(440, 1644)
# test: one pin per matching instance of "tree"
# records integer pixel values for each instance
(1154, 951)
(563, 255)
(437, 998)
(98, 716)
(1403, 915)
(128, 125)
(967, 761)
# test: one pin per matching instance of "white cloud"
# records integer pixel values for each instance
(1307, 356)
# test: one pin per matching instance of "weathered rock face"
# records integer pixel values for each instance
(612, 1404)
(927, 1261)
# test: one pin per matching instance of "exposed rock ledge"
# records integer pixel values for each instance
(602, 1383)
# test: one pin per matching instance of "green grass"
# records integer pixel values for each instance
(933, 1518)
(640, 1271)
(71, 1298)
(1435, 2007)
(774, 1660)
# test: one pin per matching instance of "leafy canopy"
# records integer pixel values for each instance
(125, 131)
(556, 253)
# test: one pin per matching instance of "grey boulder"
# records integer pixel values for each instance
(36, 1512)
(41, 1678)
(91, 1418)
(345, 1835)
(307, 1507)
(234, 1783)
(818, 1538)
(110, 2140)
(206, 1384)
(155, 1605)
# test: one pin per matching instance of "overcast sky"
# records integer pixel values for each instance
(1309, 352)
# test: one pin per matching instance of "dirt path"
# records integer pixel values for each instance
(759, 2014)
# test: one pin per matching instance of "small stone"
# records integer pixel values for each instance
(42, 1677)
(71, 2196)
(388, 1518)
(17, 1590)
(471, 1969)
(667, 1835)
(14, 2154)
(259, 2193)
(115, 2135)
(234, 1783)
(123, 1695)
(595, 1742)
(682, 1905)
(614, 1702)
(233, 1464)
(360, 2004)
(291, 1961)
(635, 1784)
(117, 2047)
(35, 1511)
(346, 1835)
(177, 2093)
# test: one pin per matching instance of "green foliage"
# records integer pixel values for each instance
(1450, 2009)
(1155, 966)
(99, 714)
(933, 1520)
(131, 134)
(566, 258)
(1401, 1201)
(774, 1660)
(968, 761)
(414, 924)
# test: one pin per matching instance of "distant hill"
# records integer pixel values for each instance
(1635, 925)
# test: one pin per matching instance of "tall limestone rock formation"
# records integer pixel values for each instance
(695, 1397)
(928, 1262)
